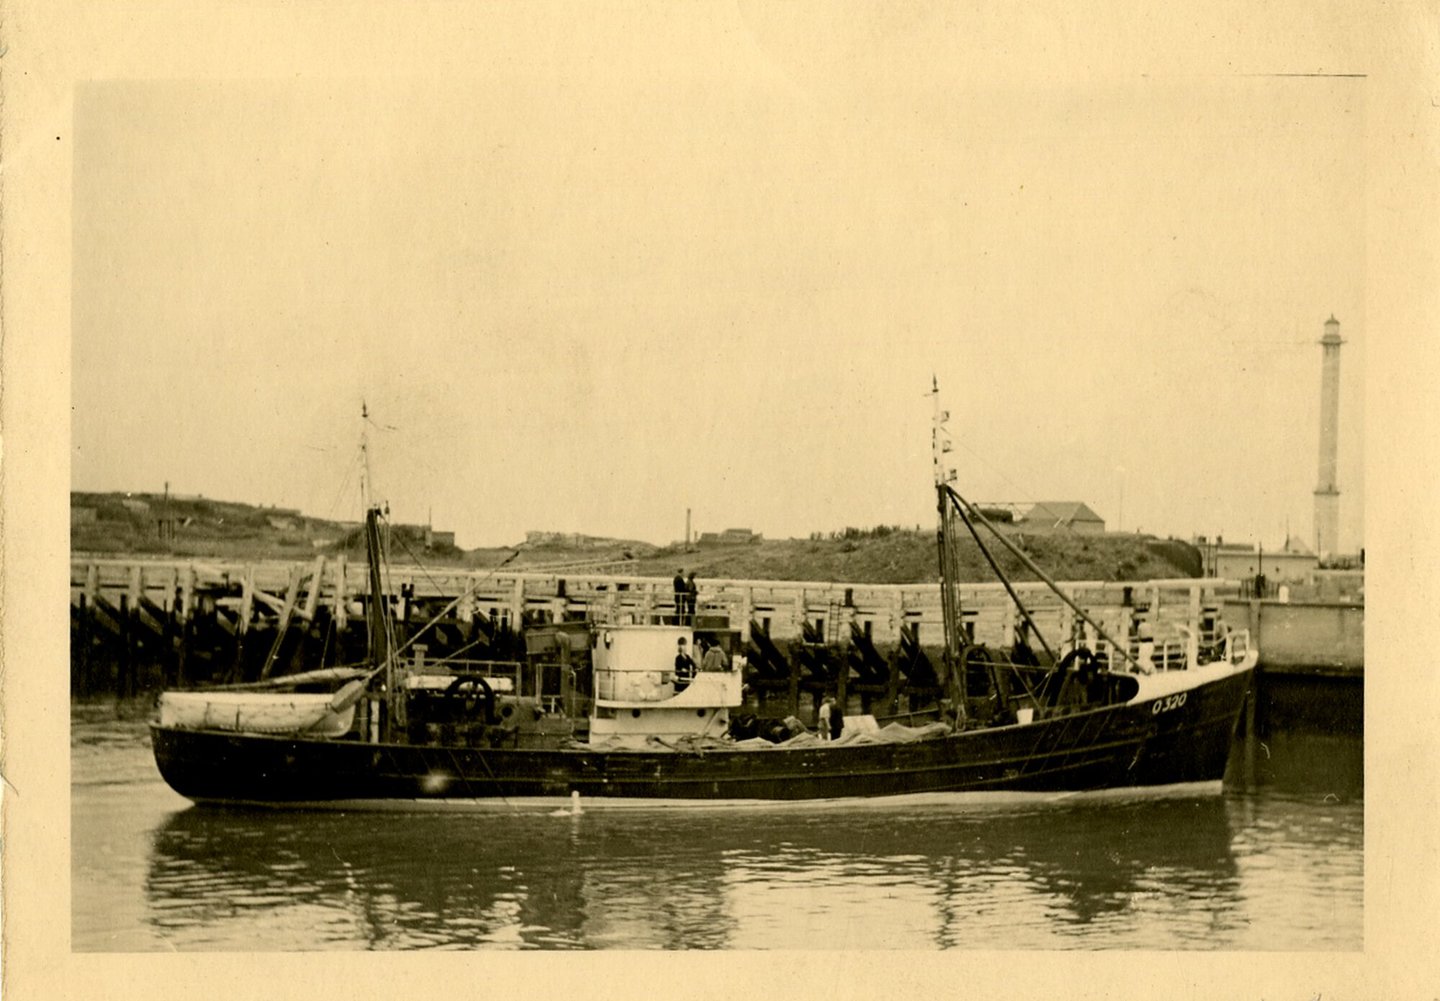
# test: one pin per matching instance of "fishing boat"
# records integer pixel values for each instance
(1092, 715)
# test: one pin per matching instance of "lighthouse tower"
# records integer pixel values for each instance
(1327, 494)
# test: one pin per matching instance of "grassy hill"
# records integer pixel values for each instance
(903, 557)
(130, 524)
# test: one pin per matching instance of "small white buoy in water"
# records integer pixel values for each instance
(574, 810)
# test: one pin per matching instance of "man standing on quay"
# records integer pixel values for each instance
(681, 596)
(692, 595)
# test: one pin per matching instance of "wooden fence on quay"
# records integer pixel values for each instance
(138, 624)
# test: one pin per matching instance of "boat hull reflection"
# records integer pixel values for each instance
(902, 877)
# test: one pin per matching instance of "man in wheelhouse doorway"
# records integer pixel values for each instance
(715, 658)
(684, 666)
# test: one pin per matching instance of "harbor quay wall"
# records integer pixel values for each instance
(1316, 635)
(247, 594)
(140, 624)
(1311, 677)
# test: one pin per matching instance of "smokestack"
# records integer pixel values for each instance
(687, 526)
(1327, 493)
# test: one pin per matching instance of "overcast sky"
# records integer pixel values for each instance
(590, 295)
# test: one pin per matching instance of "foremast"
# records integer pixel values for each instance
(380, 627)
(954, 511)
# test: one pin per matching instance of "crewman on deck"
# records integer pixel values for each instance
(681, 596)
(692, 596)
(684, 666)
(714, 659)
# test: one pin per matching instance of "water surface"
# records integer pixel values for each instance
(1274, 863)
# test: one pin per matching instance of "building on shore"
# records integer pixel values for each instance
(729, 537)
(1292, 563)
(1071, 516)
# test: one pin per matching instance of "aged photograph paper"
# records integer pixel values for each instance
(505, 451)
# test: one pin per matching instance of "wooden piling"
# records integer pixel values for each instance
(284, 623)
(517, 603)
(317, 579)
(892, 683)
(82, 681)
(124, 676)
(170, 638)
(187, 592)
(793, 694)
(342, 607)
(182, 651)
(247, 602)
(242, 622)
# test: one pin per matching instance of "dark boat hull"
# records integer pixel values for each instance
(1136, 744)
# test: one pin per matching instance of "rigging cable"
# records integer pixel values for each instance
(355, 460)
(1004, 580)
(1019, 605)
(1014, 596)
(470, 588)
(400, 537)
(1030, 565)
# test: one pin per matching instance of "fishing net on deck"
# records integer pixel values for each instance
(894, 733)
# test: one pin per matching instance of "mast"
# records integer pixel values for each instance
(953, 507)
(955, 639)
(382, 655)
(379, 651)
(364, 458)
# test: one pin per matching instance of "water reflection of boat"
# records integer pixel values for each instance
(424, 880)
(657, 879)
(1090, 715)
(1332, 765)
(1077, 865)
